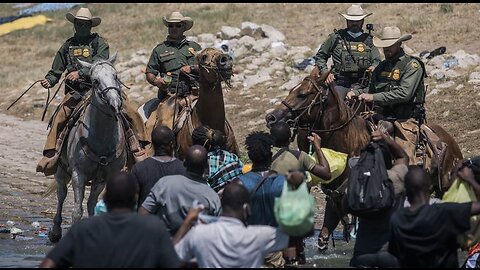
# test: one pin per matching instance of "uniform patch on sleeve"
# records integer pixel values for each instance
(396, 74)
(414, 64)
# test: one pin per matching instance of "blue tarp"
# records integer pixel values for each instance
(47, 7)
(9, 19)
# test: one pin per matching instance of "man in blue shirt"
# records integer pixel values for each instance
(264, 185)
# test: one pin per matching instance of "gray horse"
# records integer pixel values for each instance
(96, 147)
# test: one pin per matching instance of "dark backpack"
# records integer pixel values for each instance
(369, 190)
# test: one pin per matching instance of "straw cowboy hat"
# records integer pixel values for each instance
(355, 13)
(390, 36)
(83, 14)
(177, 17)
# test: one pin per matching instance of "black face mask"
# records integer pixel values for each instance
(82, 29)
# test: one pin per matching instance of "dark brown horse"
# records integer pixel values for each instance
(313, 106)
(208, 109)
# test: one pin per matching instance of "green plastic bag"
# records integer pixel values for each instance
(294, 210)
(461, 192)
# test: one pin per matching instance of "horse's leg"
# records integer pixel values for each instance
(62, 179)
(331, 218)
(231, 144)
(93, 197)
(78, 182)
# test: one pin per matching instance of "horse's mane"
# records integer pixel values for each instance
(101, 62)
(356, 133)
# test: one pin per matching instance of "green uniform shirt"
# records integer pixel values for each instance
(397, 84)
(170, 56)
(362, 49)
(91, 49)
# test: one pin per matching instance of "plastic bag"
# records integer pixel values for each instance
(100, 208)
(294, 210)
(337, 162)
(461, 192)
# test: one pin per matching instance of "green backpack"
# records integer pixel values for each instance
(294, 210)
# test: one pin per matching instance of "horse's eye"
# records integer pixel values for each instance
(302, 95)
(204, 58)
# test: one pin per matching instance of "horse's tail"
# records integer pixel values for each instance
(52, 187)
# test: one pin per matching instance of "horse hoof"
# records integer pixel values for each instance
(54, 237)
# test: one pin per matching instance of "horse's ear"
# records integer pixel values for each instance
(113, 58)
(84, 64)
(324, 75)
(315, 73)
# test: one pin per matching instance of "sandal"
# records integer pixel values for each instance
(322, 243)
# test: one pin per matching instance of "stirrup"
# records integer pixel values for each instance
(139, 155)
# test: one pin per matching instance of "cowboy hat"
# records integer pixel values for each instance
(83, 14)
(355, 13)
(390, 36)
(177, 17)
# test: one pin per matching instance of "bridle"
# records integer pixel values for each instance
(211, 65)
(102, 92)
(321, 98)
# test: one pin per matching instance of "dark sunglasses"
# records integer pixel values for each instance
(175, 25)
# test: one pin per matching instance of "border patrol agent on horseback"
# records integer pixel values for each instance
(173, 55)
(85, 46)
(352, 52)
(397, 84)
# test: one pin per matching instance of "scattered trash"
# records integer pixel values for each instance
(305, 63)
(4, 230)
(36, 224)
(450, 63)
(100, 208)
(16, 230)
(10, 223)
(436, 52)
(21, 237)
(43, 234)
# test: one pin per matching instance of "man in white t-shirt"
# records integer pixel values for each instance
(229, 242)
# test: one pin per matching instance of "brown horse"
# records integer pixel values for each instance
(207, 109)
(313, 106)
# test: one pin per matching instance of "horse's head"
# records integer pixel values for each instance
(105, 83)
(303, 101)
(214, 65)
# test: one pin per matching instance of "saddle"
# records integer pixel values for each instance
(164, 112)
(78, 112)
(429, 152)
